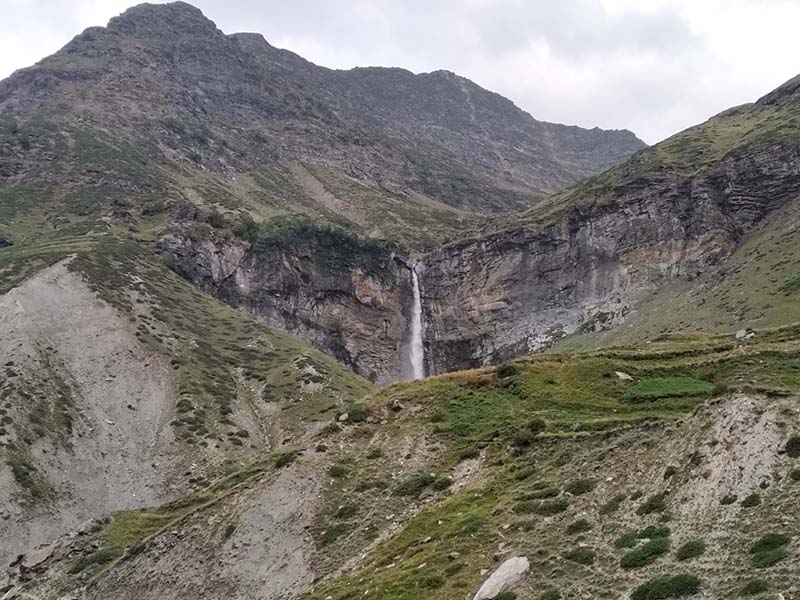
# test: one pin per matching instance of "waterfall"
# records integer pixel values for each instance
(416, 351)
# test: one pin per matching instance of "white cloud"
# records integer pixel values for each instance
(653, 66)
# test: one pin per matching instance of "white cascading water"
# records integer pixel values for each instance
(417, 351)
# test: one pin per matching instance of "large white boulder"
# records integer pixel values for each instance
(509, 574)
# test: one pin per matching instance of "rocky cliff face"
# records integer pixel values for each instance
(351, 302)
(516, 292)
(509, 293)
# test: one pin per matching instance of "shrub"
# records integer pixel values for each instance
(676, 586)
(216, 220)
(751, 501)
(357, 413)
(651, 532)
(537, 425)
(579, 486)
(612, 505)
(96, 558)
(754, 586)
(762, 560)
(522, 438)
(286, 458)
(582, 556)
(506, 370)
(645, 554)
(334, 532)
(769, 541)
(628, 540)
(729, 499)
(795, 475)
(468, 453)
(652, 504)
(691, 549)
(442, 483)
(414, 485)
(506, 596)
(551, 594)
(551, 507)
(793, 446)
(337, 471)
(346, 511)
(375, 453)
(579, 526)
(669, 472)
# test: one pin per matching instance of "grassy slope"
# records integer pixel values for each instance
(614, 457)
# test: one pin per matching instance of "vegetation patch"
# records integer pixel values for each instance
(793, 446)
(755, 586)
(691, 549)
(654, 388)
(645, 554)
(582, 555)
(653, 504)
(414, 485)
(579, 526)
(579, 487)
(675, 586)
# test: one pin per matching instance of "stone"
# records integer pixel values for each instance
(623, 376)
(507, 576)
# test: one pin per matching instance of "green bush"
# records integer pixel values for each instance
(582, 556)
(414, 485)
(286, 458)
(346, 511)
(676, 586)
(652, 504)
(645, 554)
(95, 559)
(537, 425)
(579, 487)
(334, 532)
(762, 560)
(754, 586)
(627, 540)
(551, 594)
(691, 549)
(579, 526)
(729, 499)
(468, 453)
(506, 370)
(769, 541)
(357, 413)
(612, 505)
(793, 446)
(506, 596)
(522, 438)
(651, 532)
(751, 501)
(442, 483)
(795, 475)
(337, 471)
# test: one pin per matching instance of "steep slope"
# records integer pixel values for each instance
(686, 466)
(583, 260)
(123, 386)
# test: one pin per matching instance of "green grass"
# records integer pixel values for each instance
(667, 387)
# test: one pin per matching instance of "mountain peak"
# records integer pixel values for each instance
(156, 20)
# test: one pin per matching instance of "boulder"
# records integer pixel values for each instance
(508, 575)
(623, 376)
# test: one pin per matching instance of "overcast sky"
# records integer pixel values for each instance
(652, 66)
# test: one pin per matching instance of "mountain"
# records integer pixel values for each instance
(162, 106)
(212, 250)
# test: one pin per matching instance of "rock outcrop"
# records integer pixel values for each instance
(508, 575)
(350, 299)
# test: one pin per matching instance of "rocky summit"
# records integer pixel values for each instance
(280, 332)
